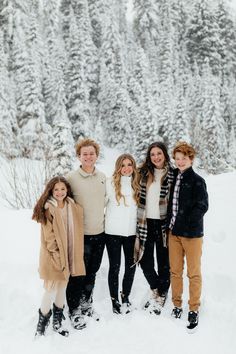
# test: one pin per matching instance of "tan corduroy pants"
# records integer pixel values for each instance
(191, 248)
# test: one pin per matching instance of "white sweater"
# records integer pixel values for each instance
(153, 196)
(120, 219)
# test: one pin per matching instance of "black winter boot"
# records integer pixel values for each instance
(43, 323)
(193, 318)
(116, 306)
(86, 305)
(87, 308)
(57, 320)
(126, 304)
(177, 312)
(77, 319)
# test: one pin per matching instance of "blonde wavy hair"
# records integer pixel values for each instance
(134, 178)
(85, 143)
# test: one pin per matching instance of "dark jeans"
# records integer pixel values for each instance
(157, 280)
(80, 288)
(114, 245)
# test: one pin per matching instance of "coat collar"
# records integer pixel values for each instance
(186, 173)
(53, 202)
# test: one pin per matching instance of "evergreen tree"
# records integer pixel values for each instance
(113, 84)
(147, 28)
(203, 39)
(213, 147)
(195, 103)
(96, 12)
(166, 78)
(112, 110)
(77, 88)
(179, 21)
(29, 102)
(141, 89)
(65, 6)
(63, 145)
(90, 54)
(61, 149)
(232, 148)
(8, 124)
(227, 38)
(166, 72)
(181, 119)
(232, 104)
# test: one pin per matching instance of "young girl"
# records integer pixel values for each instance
(61, 253)
(120, 227)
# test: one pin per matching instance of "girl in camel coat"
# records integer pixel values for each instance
(61, 252)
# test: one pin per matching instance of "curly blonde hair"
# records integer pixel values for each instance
(134, 180)
(86, 142)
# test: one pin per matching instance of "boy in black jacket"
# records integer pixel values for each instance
(187, 205)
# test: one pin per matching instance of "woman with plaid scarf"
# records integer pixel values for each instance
(156, 180)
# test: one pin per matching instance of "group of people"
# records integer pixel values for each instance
(151, 209)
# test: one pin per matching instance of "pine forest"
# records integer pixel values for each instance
(125, 73)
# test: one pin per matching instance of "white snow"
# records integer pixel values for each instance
(136, 333)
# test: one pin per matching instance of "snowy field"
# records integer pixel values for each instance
(138, 332)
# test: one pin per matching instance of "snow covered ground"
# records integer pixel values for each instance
(138, 332)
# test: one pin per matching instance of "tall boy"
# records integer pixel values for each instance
(187, 206)
(88, 187)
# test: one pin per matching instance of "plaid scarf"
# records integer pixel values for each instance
(141, 231)
(175, 203)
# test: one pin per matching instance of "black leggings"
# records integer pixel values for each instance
(80, 288)
(114, 245)
(157, 280)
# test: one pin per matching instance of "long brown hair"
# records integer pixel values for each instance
(39, 211)
(147, 167)
(134, 178)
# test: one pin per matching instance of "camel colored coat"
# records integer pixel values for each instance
(53, 263)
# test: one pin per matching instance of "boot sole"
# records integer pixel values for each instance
(62, 333)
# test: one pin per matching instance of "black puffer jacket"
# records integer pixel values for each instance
(192, 205)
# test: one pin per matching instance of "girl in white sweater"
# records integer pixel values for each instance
(122, 191)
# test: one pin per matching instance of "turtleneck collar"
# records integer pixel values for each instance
(126, 179)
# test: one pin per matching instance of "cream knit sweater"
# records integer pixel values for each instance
(89, 191)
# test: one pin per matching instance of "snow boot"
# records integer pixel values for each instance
(58, 316)
(126, 304)
(43, 323)
(77, 319)
(116, 306)
(152, 305)
(87, 308)
(177, 312)
(86, 305)
(193, 318)
(161, 300)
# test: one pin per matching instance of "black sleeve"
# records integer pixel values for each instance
(200, 201)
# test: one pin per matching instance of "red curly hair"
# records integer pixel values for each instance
(185, 149)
